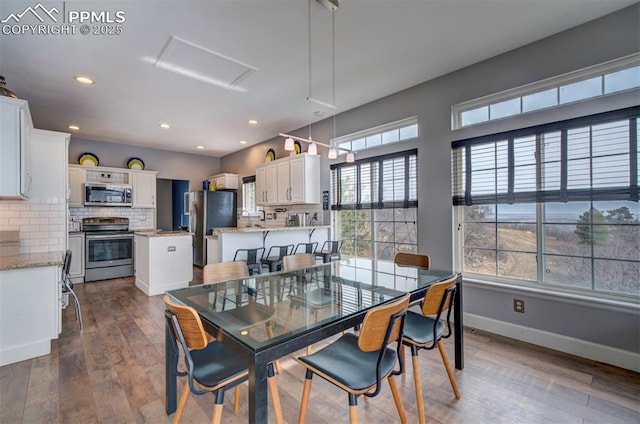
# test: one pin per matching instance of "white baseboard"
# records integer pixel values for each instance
(582, 348)
(13, 354)
(159, 289)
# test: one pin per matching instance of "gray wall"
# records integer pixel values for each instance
(170, 165)
(164, 207)
(610, 37)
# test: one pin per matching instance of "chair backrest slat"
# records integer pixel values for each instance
(297, 261)
(412, 259)
(212, 273)
(376, 322)
(190, 324)
(434, 295)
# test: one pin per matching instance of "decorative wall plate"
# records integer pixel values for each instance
(88, 159)
(271, 155)
(135, 163)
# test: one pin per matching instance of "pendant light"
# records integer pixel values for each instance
(313, 149)
(313, 145)
(288, 144)
(333, 153)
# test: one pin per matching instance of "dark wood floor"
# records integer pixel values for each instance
(114, 373)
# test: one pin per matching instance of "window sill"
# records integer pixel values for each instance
(597, 300)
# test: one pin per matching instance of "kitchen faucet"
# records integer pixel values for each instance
(248, 215)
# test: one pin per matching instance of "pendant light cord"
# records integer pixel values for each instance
(333, 61)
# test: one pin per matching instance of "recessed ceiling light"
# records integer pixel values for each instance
(200, 147)
(243, 141)
(253, 122)
(83, 80)
(165, 126)
(73, 127)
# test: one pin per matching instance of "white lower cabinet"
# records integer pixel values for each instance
(29, 312)
(76, 245)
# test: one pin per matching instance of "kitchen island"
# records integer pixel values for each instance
(30, 300)
(163, 260)
(223, 242)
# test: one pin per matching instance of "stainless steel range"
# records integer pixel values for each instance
(109, 248)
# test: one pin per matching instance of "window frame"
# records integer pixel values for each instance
(345, 141)
(555, 83)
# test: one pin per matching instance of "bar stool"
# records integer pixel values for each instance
(274, 262)
(308, 248)
(330, 250)
(252, 257)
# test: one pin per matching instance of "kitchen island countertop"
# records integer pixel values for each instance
(263, 229)
(161, 233)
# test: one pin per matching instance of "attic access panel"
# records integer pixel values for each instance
(193, 61)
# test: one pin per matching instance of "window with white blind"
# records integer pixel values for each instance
(374, 203)
(555, 204)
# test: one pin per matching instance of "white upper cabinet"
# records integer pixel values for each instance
(144, 189)
(260, 186)
(267, 185)
(291, 180)
(77, 178)
(271, 185)
(15, 132)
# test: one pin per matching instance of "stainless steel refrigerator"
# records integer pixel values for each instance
(208, 210)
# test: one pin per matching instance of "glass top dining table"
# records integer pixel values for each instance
(265, 317)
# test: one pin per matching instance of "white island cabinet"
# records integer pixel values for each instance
(163, 260)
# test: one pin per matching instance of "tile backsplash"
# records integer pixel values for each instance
(139, 218)
(281, 217)
(41, 222)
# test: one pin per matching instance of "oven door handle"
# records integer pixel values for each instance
(113, 236)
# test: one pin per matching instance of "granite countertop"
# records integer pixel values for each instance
(161, 233)
(31, 260)
(262, 229)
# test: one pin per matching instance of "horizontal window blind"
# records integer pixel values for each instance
(388, 181)
(584, 159)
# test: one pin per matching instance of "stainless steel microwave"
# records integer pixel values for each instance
(105, 194)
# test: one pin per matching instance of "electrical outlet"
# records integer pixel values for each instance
(518, 305)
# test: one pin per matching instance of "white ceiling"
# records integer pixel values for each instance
(382, 47)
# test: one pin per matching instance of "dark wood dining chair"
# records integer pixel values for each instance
(412, 259)
(359, 364)
(426, 331)
(211, 367)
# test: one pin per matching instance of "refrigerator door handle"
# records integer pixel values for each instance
(192, 218)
